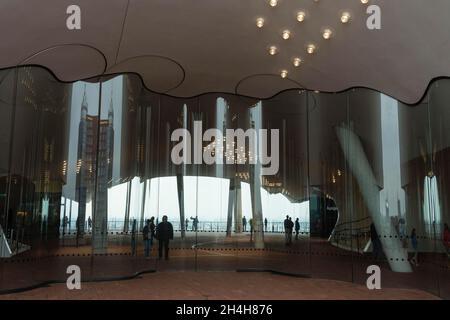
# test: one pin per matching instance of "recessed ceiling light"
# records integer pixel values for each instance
(297, 61)
(284, 73)
(364, 1)
(260, 22)
(345, 17)
(273, 50)
(286, 34)
(327, 34)
(301, 15)
(311, 48)
(273, 3)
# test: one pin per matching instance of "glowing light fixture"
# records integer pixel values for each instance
(297, 61)
(286, 34)
(301, 15)
(284, 73)
(345, 17)
(273, 50)
(260, 22)
(327, 33)
(311, 48)
(273, 3)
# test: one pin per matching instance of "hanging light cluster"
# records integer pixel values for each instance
(301, 16)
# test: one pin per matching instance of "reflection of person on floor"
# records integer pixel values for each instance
(250, 222)
(376, 244)
(265, 224)
(133, 238)
(164, 233)
(414, 245)
(297, 228)
(446, 239)
(244, 224)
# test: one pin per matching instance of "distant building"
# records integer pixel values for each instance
(87, 166)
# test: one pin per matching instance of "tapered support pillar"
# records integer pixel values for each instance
(180, 188)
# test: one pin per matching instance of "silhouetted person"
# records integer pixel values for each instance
(164, 233)
(194, 223)
(244, 224)
(291, 230)
(187, 224)
(152, 229)
(414, 245)
(376, 243)
(265, 224)
(286, 230)
(133, 238)
(297, 228)
(147, 238)
(251, 229)
(89, 223)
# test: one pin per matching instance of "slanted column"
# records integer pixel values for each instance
(360, 168)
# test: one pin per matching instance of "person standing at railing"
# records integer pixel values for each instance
(297, 228)
(288, 226)
(194, 223)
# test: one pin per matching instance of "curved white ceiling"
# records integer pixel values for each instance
(189, 47)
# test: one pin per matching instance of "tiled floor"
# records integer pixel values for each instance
(218, 285)
(313, 257)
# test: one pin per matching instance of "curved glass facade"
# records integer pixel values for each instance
(84, 165)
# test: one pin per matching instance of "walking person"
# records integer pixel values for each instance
(297, 228)
(265, 224)
(414, 245)
(187, 224)
(164, 233)
(244, 224)
(89, 223)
